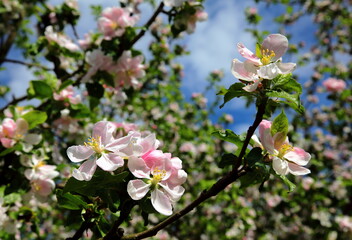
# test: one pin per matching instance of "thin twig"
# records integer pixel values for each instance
(14, 101)
(28, 64)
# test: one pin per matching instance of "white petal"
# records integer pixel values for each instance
(280, 166)
(137, 189)
(33, 138)
(85, 171)
(79, 153)
(252, 87)
(269, 71)
(297, 170)
(240, 71)
(286, 67)
(104, 130)
(110, 162)
(161, 202)
(256, 141)
(174, 193)
(138, 167)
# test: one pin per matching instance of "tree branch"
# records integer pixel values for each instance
(220, 185)
(14, 101)
(28, 64)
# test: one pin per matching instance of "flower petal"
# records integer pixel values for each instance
(298, 156)
(297, 170)
(174, 193)
(286, 67)
(280, 166)
(240, 71)
(277, 43)
(252, 87)
(137, 189)
(138, 167)
(248, 54)
(33, 138)
(104, 130)
(269, 71)
(79, 153)
(110, 162)
(85, 171)
(256, 141)
(161, 202)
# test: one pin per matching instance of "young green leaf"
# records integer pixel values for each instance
(35, 118)
(280, 124)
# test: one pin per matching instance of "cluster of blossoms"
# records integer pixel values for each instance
(265, 64)
(285, 158)
(12, 131)
(67, 94)
(39, 174)
(127, 70)
(109, 149)
(334, 85)
(114, 21)
(61, 39)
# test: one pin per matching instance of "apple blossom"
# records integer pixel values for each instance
(164, 177)
(285, 158)
(267, 65)
(38, 168)
(102, 150)
(334, 85)
(128, 69)
(97, 60)
(67, 94)
(114, 20)
(61, 39)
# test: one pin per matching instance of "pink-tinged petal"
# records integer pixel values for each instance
(104, 130)
(246, 53)
(32, 138)
(264, 124)
(86, 171)
(29, 174)
(239, 71)
(256, 141)
(174, 193)
(297, 170)
(7, 142)
(176, 163)
(298, 156)
(286, 68)
(252, 87)
(279, 140)
(269, 71)
(149, 143)
(154, 158)
(177, 177)
(110, 162)
(79, 153)
(163, 164)
(8, 127)
(137, 189)
(277, 43)
(43, 187)
(138, 167)
(280, 166)
(161, 202)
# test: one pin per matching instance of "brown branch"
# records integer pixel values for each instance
(220, 185)
(28, 64)
(14, 101)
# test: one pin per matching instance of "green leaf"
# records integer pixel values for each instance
(235, 90)
(258, 173)
(292, 100)
(39, 89)
(255, 155)
(258, 50)
(285, 82)
(229, 136)
(291, 186)
(17, 147)
(12, 198)
(70, 201)
(35, 118)
(100, 180)
(280, 124)
(227, 159)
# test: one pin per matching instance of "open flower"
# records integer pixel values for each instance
(102, 150)
(265, 65)
(286, 158)
(163, 177)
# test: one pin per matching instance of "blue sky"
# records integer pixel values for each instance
(212, 46)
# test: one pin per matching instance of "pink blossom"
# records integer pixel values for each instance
(334, 85)
(11, 131)
(42, 186)
(128, 70)
(286, 158)
(102, 150)
(67, 94)
(61, 39)
(114, 20)
(38, 168)
(97, 60)
(266, 66)
(164, 176)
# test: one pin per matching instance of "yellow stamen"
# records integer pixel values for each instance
(158, 175)
(284, 149)
(94, 143)
(39, 164)
(267, 55)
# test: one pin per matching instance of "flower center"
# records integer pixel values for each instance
(94, 143)
(284, 149)
(39, 164)
(267, 55)
(158, 175)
